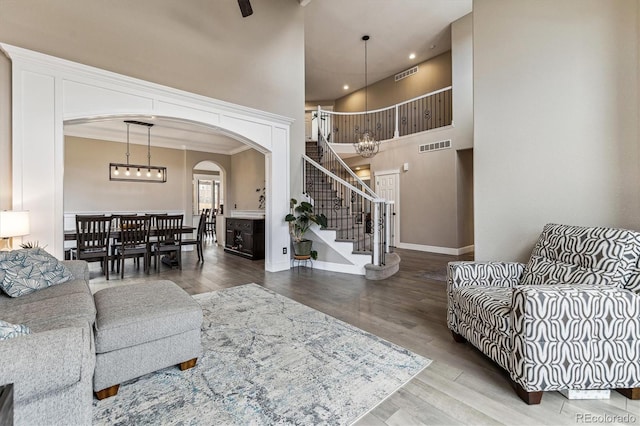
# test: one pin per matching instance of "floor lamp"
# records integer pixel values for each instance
(12, 224)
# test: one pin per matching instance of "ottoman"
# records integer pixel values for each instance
(142, 328)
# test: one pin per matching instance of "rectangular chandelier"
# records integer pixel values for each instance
(138, 172)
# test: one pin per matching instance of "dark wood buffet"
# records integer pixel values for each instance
(245, 237)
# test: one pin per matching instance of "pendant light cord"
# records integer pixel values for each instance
(366, 83)
(127, 144)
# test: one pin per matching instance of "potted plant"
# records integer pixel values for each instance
(300, 220)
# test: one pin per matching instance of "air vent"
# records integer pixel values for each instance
(407, 73)
(435, 146)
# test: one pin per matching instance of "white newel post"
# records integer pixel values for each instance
(376, 232)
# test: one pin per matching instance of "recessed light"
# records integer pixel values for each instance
(412, 56)
(357, 168)
(345, 87)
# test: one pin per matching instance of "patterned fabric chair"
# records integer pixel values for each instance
(568, 319)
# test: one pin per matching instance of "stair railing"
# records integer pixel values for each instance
(425, 112)
(355, 215)
(331, 161)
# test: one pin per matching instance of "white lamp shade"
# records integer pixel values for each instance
(14, 223)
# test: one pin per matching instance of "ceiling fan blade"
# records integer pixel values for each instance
(245, 8)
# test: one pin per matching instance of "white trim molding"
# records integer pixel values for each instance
(47, 91)
(436, 249)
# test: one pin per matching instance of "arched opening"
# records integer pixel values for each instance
(209, 189)
(49, 94)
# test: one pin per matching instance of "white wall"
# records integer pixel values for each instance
(556, 111)
(462, 80)
(5, 133)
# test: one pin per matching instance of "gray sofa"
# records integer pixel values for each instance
(52, 368)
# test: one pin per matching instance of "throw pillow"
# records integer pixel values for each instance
(567, 254)
(9, 331)
(28, 270)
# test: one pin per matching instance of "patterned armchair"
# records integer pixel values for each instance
(568, 319)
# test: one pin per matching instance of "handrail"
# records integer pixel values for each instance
(421, 113)
(355, 215)
(340, 180)
(435, 92)
(347, 168)
(371, 111)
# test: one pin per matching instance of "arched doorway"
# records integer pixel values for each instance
(48, 91)
(209, 189)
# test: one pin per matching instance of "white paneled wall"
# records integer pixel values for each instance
(48, 90)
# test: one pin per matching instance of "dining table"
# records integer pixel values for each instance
(70, 235)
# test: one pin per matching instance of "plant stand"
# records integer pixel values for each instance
(300, 259)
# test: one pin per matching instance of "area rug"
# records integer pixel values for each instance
(267, 360)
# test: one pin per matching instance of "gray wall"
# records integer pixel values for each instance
(464, 168)
(436, 194)
(433, 74)
(556, 119)
(428, 201)
(206, 48)
(86, 178)
(87, 186)
(242, 193)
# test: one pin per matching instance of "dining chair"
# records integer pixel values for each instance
(199, 237)
(210, 226)
(168, 233)
(133, 241)
(115, 240)
(152, 218)
(92, 239)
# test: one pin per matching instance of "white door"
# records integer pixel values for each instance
(388, 187)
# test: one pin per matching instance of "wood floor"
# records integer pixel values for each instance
(461, 386)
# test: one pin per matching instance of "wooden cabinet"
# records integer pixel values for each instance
(245, 237)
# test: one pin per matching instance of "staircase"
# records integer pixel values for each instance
(344, 214)
(352, 210)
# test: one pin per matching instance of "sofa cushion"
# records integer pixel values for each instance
(28, 270)
(67, 310)
(131, 315)
(41, 363)
(490, 306)
(75, 286)
(633, 282)
(9, 331)
(581, 255)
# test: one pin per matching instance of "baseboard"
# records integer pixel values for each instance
(436, 249)
(276, 266)
(338, 267)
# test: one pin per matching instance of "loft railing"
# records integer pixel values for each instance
(355, 215)
(425, 112)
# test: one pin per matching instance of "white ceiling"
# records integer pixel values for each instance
(166, 132)
(334, 50)
(334, 56)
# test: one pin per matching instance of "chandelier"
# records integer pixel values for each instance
(367, 145)
(138, 172)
